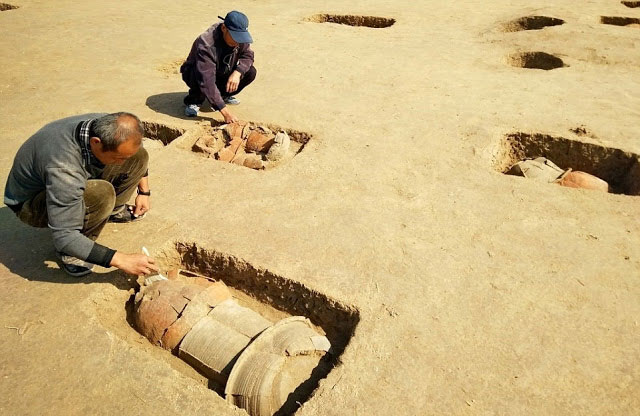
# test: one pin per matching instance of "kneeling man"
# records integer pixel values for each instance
(73, 176)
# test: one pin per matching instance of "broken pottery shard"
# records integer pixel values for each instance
(239, 158)
(583, 180)
(253, 161)
(212, 348)
(269, 375)
(225, 155)
(197, 309)
(231, 150)
(258, 142)
(279, 148)
(214, 343)
(160, 305)
(259, 380)
(240, 319)
(207, 145)
(540, 168)
(235, 130)
(321, 343)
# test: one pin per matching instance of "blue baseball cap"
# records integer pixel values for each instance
(237, 23)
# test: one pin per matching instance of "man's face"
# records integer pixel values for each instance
(227, 37)
(114, 157)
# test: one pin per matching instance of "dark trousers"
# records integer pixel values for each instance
(189, 76)
(101, 196)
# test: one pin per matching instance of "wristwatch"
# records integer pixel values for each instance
(147, 193)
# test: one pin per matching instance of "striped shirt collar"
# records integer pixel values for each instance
(84, 130)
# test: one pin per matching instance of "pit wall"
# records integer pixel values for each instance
(621, 169)
(337, 320)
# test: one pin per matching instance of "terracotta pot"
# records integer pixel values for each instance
(198, 308)
(258, 142)
(583, 180)
(160, 304)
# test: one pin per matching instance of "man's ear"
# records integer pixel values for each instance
(95, 140)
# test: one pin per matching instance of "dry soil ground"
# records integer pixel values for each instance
(477, 293)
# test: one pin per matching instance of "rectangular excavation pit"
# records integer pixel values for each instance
(250, 144)
(161, 132)
(274, 297)
(619, 168)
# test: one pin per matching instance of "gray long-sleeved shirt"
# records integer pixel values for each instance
(52, 160)
(211, 57)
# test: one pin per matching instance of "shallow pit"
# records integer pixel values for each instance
(161, 132)
(631, 4)
(619, 168)
(215, 139)
(620, 21)
(5, 6)
(532, 23)
(352, 20)
(535, 60)
(273, 296)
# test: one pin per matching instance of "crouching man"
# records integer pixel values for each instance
(73, 176)
(219, 66)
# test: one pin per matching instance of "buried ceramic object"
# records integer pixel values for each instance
(264, 368)
(160, 304)
(279, 148)
(198, 308)
(543, 170)
(258, 142)
(271, 374)
(245, 144)
(540, 169)
(583, 180)
(215, 342)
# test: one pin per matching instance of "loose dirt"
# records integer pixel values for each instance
(456, 289)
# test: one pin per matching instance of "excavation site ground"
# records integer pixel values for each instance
(444, 285)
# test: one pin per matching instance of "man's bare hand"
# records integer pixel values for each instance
(233, 82)
(228, 116)
(136, 264)
(143, 204)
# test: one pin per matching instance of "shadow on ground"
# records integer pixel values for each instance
(28, 252)
(170, 103)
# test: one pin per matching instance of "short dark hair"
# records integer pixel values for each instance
(113, 129)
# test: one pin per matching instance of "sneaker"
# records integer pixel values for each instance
(73, 266)
(191, 110)
(231, 100)
(124, 213)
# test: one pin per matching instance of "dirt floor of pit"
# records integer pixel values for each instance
(478, 293)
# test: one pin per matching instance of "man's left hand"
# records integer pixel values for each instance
(233, 82)
(143, 204)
